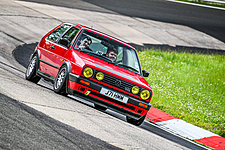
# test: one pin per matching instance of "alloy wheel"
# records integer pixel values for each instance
(31, 66)
(60, 78)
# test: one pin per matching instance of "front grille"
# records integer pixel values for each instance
(125, 86)
(113, 81)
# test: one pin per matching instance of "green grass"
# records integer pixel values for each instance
(188, 86)
(214, 4)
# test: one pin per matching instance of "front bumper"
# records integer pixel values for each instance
(134, 107)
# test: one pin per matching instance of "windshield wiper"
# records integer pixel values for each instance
(129, 67)
(84, 50)
(96, 54)
(108, 60)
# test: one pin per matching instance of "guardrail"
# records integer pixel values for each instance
(215, 1)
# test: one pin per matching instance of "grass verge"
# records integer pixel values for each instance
(188, 86)
(202, 2)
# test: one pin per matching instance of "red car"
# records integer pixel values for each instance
(80, 60)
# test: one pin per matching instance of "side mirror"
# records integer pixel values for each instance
(145, 73)
(64, 42)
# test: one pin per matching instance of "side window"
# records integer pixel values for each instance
(58, 32)
(132, 61)
(69, 35)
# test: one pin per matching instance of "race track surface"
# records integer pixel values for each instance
(207, 20)
(25, 128)
(33, 116)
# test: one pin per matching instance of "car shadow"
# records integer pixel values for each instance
(23, 52)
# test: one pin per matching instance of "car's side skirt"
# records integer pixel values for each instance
(49, 64)
(45, 76)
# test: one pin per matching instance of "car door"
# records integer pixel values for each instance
(49, 60)
(61, 48)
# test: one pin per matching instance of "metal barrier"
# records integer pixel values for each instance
(215, 1)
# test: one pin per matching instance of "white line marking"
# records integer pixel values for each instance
(186, 129)
(178, 135)
(196, 4)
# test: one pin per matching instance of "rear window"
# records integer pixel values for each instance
(55, 35)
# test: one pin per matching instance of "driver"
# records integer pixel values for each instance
(112, 53)
(85, 43)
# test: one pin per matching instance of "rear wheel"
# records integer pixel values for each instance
(31, 72)
(134, 121)
(59, 85)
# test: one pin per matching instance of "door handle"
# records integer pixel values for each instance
(53, 47)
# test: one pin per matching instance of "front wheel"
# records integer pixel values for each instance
(134, 121)
(59, 85)
(32, 71)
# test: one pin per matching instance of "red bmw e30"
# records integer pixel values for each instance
(80, 60)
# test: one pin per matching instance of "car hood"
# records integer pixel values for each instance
(114, 70)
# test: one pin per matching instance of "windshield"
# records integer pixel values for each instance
(108, 50)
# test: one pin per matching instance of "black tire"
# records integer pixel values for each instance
(59, 85)
(99, 107)
(134, 121)
(31, 72)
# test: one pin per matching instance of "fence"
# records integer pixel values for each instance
(215, 1)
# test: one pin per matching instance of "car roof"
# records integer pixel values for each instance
(83, 27)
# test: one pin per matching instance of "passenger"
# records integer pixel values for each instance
(112, 53)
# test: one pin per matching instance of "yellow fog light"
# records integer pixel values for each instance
(99, 76)
(135, 90)
(88, 72)
(145, 94)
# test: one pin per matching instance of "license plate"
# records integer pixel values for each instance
(114, 95)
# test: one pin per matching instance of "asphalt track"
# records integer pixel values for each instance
(207, 20)
(25, 128)
(52, 132)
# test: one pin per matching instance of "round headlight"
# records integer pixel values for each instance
(88, 72)
(99, 76)
(145, 94)
(135, 90)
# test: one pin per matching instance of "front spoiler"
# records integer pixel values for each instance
(131, 108)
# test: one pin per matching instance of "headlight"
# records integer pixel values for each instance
(145, 94)
(88, 72)
(135, 90)
(99, 76)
